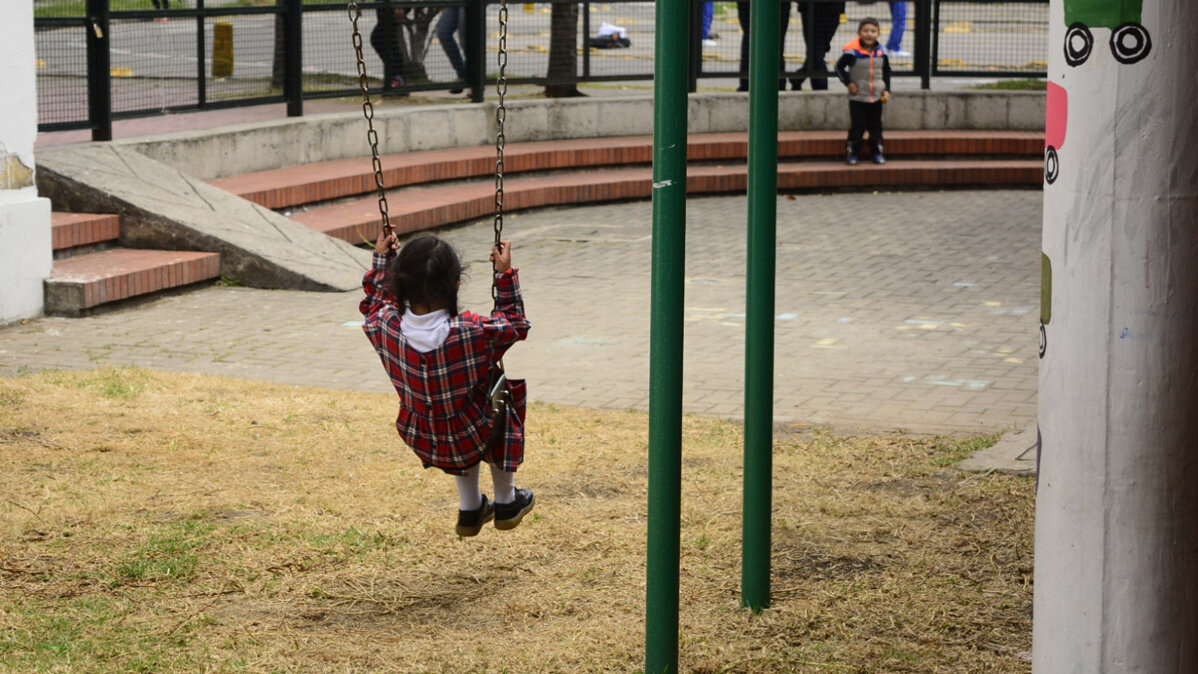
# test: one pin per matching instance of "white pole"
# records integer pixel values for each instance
(1116, 558)
(25, 254)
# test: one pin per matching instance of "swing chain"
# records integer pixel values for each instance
(500, 140)
(372, 135)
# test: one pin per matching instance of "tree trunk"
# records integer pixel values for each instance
(277, 67)
(563, 51)
(414, 40)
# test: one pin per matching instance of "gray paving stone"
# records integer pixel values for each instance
(913, 311)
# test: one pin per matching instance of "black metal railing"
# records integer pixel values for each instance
(116, 60)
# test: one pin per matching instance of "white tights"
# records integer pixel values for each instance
(469, 496)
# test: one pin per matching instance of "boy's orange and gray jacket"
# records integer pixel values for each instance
(869, 68)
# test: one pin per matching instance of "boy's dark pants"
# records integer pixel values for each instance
(865, 117)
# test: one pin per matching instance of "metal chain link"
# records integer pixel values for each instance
(500, 140)
(368, 110)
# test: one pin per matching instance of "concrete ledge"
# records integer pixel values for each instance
(1015, 452)
(161, 207)
(233, 150)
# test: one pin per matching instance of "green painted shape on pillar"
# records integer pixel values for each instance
(1104, 13)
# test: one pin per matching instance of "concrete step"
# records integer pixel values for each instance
(78, 284)
(81, 230)
(325, 181)
(358, 221)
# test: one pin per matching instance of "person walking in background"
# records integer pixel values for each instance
(865, 70)
(386, 30)
(742, 17)
(898, 24)
(820, 21)
(709, 39)
(163, 5)
(451, 33)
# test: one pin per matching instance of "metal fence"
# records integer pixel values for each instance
(100, 60)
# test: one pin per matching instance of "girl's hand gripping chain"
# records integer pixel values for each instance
(386, 244)
(501, 256)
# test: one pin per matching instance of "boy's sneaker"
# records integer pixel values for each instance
(879, 159)
(851, 159)
(508, 515)
(470, 522)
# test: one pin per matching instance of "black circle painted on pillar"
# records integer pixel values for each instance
(1141, 43)
(1052, 165)
(1043, 340)
(1076, 54)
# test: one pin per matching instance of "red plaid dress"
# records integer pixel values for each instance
(444, 407)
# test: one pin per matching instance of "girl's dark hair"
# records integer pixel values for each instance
(869, 20)
(426, 272)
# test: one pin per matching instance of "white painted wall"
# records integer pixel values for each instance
(25, 249)
(1116, 564)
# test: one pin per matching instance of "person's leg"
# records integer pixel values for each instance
(827, 20)
(474, 510)
(807, 16)
(873, 121)
(742, 17)
(783, 26)
(504, 483)
(469, 496)
(856, 130)
(898, 23)
(708, 16)
(447, 27)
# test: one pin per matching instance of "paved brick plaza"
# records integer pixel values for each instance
(913, 311)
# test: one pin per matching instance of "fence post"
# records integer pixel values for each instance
(293, 58)
(586, 35)
(201, 56)
(923, 37)
(99, 73)
(476, 49)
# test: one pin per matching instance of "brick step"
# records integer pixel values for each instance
(325, 181)
(80, 283)
(78, 230)
(358, 221)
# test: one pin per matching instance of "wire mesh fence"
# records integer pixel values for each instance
(198, 54)
(984, 38)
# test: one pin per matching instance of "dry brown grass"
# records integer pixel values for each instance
(167, 522)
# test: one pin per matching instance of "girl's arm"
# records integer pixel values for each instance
(507, 324)
(373, 283)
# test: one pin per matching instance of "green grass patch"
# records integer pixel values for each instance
(171, 554)
(949, 452)
(1013, 85)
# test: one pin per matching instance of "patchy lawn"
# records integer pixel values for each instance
(165, 522)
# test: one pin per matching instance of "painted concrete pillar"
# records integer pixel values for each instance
(1116, 558)
(25, 251)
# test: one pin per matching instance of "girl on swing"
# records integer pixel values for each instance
(441, 362)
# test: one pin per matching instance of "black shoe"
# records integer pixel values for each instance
(470, 522)
(508, 515)
(879, 159)
(458, 89)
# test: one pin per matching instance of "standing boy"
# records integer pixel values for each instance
(865, 70)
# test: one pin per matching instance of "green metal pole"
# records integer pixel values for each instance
(665, 336)
(759, 303)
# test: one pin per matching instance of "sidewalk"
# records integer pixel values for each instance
(894, 311)
(920, 316)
